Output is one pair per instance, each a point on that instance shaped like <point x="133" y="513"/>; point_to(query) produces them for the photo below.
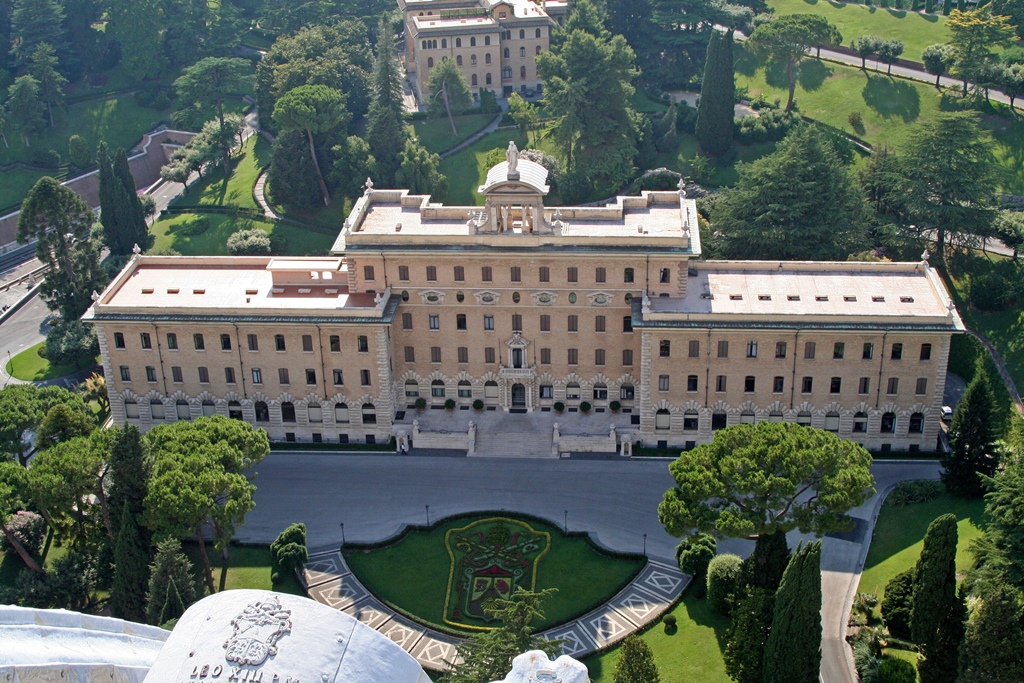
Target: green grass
<point x="899" y="536"/>
<point x="15" y="184"/>
<point x="467" y="171"/>
<point x="681" y="159"/>
<point x="168" y="234"/>
<point x="413" y="573"/>
<point x="435" y="134"/>
<point x="916" y="30"/>
<point x="248" y="567"/>
<point x="236" y="190"/>
<point x="692" y="653"/>
<point x="29" y="366"/>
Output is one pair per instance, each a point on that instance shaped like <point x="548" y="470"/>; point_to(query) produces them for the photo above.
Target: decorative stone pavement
<point x="329" y="581"/>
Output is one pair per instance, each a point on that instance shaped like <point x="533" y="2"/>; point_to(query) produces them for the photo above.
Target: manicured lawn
<point x="916" y="30"/>
<point x="237" y="189"/>
<point x="692" y="653"/>
<point x="248" y="567"/>
<point x="29" y="366"/>
<point x="436" y="133"/>
<point x="467" y="171"/>
<point x="15" y="184"/>
<point x="413" y="573"/>
<point x="681" y="159"/>
<point x="899" y="537"/>
<point x="169" y="233"/>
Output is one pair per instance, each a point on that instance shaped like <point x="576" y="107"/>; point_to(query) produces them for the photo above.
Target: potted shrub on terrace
<point x="559" y="407"/>
<point x="615" y="406"/>
<point x="449" y="405"/>
<point x="421" y="404"/>
<point x="585" y="407"/>
<point x="478" y="406"/>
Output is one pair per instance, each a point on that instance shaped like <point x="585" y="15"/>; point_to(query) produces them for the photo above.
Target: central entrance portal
<point x="518" y="396"/>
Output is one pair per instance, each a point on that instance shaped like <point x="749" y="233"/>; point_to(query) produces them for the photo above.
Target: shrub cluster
<point x="289" y="549"/>
<point x="910" y="492"/>
<point x="28" y="529"/>
<point x="771" y="126"/>
<point x="254" y="242"/>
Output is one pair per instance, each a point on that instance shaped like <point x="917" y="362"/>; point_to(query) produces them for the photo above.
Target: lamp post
<point x="343" y="534"/>
<point x="427" y="508"/>
<point x="565" y="523"/>
<point x="645" y="545"/>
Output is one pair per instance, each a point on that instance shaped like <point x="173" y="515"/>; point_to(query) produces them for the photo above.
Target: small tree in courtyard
<point x="636" y="663"/>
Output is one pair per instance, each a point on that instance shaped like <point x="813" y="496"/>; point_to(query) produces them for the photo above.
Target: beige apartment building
<point x="523" y="306"/>
<point x="495" y="43"/>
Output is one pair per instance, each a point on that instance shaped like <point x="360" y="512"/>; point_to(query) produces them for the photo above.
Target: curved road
<point x="24" y="328"/>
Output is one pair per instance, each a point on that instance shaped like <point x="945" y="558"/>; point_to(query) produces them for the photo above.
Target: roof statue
<point x="535" y="667"/>
<point x="512" y="157"/>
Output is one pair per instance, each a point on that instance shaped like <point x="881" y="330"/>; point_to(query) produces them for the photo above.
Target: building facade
<point x="522" y="307"/>
<point x="494" y="43"/>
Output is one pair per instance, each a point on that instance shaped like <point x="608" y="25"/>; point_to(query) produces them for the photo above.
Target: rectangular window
<point x="517" y="322"/>
<point x="665" y="277"/>
<point x="864" y="385"/>
<point x="809" y="349"/>
<point x="720" y="383"/>
<point x="198" y="342"/>
<point x="432" y="273"/>
<point x="723" y="349"/>
<point x="410" y="354"/>
<point x="778" y="384"/>
<point x="463" y="354"/>
<point x="807" y="386"/>
<point x="407" y="321"/>
<point x="574" y="357"/>
<point x="835" y="385"/>
<point x="600" y="275"/>
<point x="893" y="387"/>
<point x="780" y="349"/>
<point x="126" y="375"/>
<point x="485" y="274"/>
<point x="694" y="349"/>
<point x="146" y="340"/>
<point x="225" y="342"/>
<point x="838" y="351"/>
<point x="869" y="351"/>
<point x="544" y="273"/>
<point x="310" y="377"/>
<point x="279" y="342"/>
<point x="282" y="376"/>
<point x="465" y="390"/>
<point x="691" y="383"/>
<point x="545" y="356"/>
<point x="362" y="344"/>
<point x="752" y="349"/>
<point x="150" y="373"/>
<point x="489" y="355"/>
<point x="229" y="375"/>
<point x="435" y="321"/>
<point x="307" y="343"/>
<point x="172" y="341"/>
<point x="460" y="321"/>
<point x="627" y="276"/>
<point x="459" y="274"/>
<point x="367" y="272"/>
<point x="364" y="378"/>
<point x="665" y="348"/>
<point x="335" y="342"/>
<point x="749" y="382"/>
<point x="403" y="273"/>
<point x="547" y="391"/>
<point x="627" y="323"/>
<point x="516" y="274"/>
<point x="926" y="351"/>
<point x="435" y="354"/>
<point x="253" y="342"/>
<point x="257" y="376"/>
<point x="598" y="356"/>
<point x="176" y="375"/>
<point x="488" y="322"/>
<point x="545" y="323"/>
<point x="897" y="352"/>
<point x="599" y="324"/>
<point x="338" y="377"/>
<point x="663" y="383"/>
<point x="574" y="323"/>
<point x="922" y="386"/>
<point x="572" y="274"/>
<point x="627" y="357"/>
<point x="119" y="340"/>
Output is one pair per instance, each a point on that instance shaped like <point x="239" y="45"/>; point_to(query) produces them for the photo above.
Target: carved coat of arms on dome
<point x="257" y="628"/>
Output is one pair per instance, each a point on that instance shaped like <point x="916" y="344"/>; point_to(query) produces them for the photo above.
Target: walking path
<point x="329" y="581"/>
<point x="472" y="139"/>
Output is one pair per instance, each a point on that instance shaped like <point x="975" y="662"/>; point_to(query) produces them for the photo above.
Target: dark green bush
<point x="478" y="405"/>
<point x="897" y="603"/>
<point x="893" y="670"/>
<point x="449" y="404"/>
<point x="725" y="582"/>
<point x="559" y="406"/>
<point x="910" y="492"/>
<point x="421" y="403"/>
<point x="249" y="243"/>
<point x="585" y="407"/>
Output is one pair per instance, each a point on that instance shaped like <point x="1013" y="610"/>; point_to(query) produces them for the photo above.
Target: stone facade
<point x="523" y="306"/>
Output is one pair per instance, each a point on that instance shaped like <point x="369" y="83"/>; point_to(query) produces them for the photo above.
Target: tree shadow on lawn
<point x="810" y="74"/>
<point x="891" y="97"/>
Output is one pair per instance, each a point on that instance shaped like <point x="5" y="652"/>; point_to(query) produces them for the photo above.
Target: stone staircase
<point x="512" y="445"/>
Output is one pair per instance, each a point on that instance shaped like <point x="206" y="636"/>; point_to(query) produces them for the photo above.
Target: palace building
<point x="495" y="42"/>
<point x="523" y="306"/>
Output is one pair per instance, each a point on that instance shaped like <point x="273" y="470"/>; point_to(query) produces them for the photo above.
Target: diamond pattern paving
<point x="608" y="627"/>
<point x="639" y="606"/>
<point x="321" y="568"/>
<point x="339" y="593"/>
<point x="576" y="641"/>
<point x="402" y="632"/>
<point x="432" y="652"/>
<point x="370" y="612"/>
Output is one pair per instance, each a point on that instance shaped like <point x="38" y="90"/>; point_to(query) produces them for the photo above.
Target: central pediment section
<point x="532" y="179"/>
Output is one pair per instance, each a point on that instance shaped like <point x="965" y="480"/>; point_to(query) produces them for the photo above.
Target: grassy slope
<point x="436" y="134"/>
<point x="29" y="366"/>
<point x="466" y="170"/>
<point x="916" y="30"/>
<point x="413" y="573"/>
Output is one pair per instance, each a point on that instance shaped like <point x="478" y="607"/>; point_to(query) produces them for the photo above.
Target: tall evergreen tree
<point x="136" y="228"/>
<point x="636" y="663"/>
<point x="34" y="22"/>
<point x="131" y="570"/>
<point x="169" y="564"/>
<point x="972" y="435"/>
<point x="129" y="472"/>
<point x="765" y="567"/>
<point x="748" y="635"/>
<point x="312" y="109"/>
<point x="173" y="607"/>
<point x="936" y="617"/>
<point x="210" y="81"/>
<point x="715" y="113"/>
<point x="24" y="108"/>
<point x="138" y="26"/>
<point x="385" y="126"/>
<point x="43" y="67"/>
<point x="994" y="641"/>
<point x="793" y="650"/>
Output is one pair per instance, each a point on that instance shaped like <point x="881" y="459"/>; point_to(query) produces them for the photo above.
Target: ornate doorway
<point x="518" y="396"/>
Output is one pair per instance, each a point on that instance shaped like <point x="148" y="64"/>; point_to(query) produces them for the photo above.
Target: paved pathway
<point x="645" y="599"/>
<point x="472" y="139"/>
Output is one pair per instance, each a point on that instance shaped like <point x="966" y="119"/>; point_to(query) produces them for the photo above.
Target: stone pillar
<point x="471" y="441"/>
<point x="554" y="441"/>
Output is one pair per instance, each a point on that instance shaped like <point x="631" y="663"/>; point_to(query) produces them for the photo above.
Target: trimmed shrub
<point x="669" y="620"/>
<point x="478" y="405"/>
<point x="253" y="242"/>
<point x="421" y="403"/>
<point x="78" y="151"/>
<point x="585" y="407"/>
<point x="694" y="554"/>
<point x="893" y="670"/>
<point x="449" y="404"/>
<point x="559" y="406"/>
<point x="725" y="582"/>
<point x="615" y="406"/>
<point x="71" y="341"/>
<point x="897" y="603"/>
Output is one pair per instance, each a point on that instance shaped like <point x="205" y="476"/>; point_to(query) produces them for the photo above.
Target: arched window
<point x="719" y="420"/>
<point x="182" y="409"/>
<point x="458" y="60"/>
<point x="537" y="50"/>
<point x="472" y="60"/>
<point x="287" y="412"/>
<point x="487" y="40"/>
<point x="860" y="423"/>
<point x="424" y="44"/>
<point x="465" y="389"/>
<point x="209" y="408"/>
<point x="412" y="387"/>
<point x="775" y="416"/>
<point x="537" y="34"/>
<point x="490" y="389"/>
<point x="572" y="391"/>
<point x="473" y="81"/>
<point x="234" y="410"/>
<point x="888" y="423"/>
<point x="522" y="52"/>
<point x="131" y="409"/>
<point x="747" y="417"/>
<point x="472" y="41"/>
<point x="916" y="423"/>
<point x="156" y="409"/>
<point x="405" y="295"/>
<point x="341" y="413"/>
<point x="522" y="72"/>
<point x="444" y="43"/>
<point x="430" y="62"/>
<point x="803" y="418"/>
<point x="487" y="58"/>
<point x="315" y="413"/>
<point x="832" y="421"/>
<point x="600" y="391"/>
<point x="662" y="419"/>
<point x="626" y="392"/>
<point x="522" y="34"/>
<point x="369" y="414"/>
<point x="506" y="72"/>
<point x="506" y="52"/>
<point x="691" y="421"/>
<point x="487" y="80"/>
<point x="262" y="411"/>
<point x="458" y="42"/>
<point x="437" y="389"/>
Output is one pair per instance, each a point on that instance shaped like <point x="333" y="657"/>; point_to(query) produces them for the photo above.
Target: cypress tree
<point x="936" y="617"/>
<point x="108" y="213"/>
<point x="170" y="564"/>
<point x="385" y="123"/>
<point x="992" y="647"/>
<point x="173" y="606"/>
<point x="129" y="473"/>
<point x="136" y="229"/>
<point x="793" y="650"/>
<point x="972" y="435"/>
<point x="636" y="663"/>
<point x="748" y="635"/>
<point x="128" y="592"/>
<point x="715" y="113"/>
<point x="766" y="565"/>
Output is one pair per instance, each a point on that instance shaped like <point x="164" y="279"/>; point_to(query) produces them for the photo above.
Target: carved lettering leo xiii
<point x="257" y="629"/>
